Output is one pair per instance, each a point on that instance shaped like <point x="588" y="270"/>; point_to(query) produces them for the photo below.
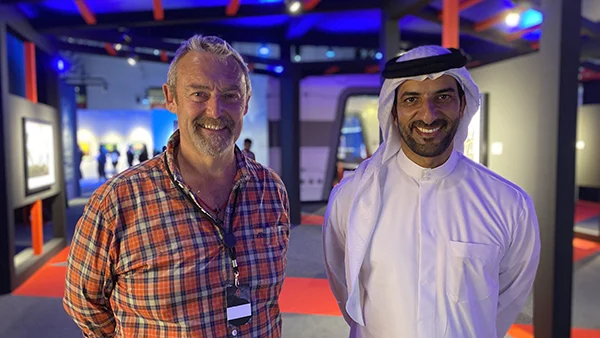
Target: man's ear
<point x="463" y="106"/>
<point x="171" y="105"/>
<point x="247" y="104"/>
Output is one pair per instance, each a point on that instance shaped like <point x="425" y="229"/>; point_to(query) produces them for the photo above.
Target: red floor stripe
<point x="308" y="219"/>
<point x="308" y="296"/>
<point x="585" y="210"/>
<point x="526" y="331"/>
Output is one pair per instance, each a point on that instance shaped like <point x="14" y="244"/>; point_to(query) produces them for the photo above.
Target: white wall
<point x="516" y="119"/>
<point x="588" y="158"/>
<point x="125" y="83"/>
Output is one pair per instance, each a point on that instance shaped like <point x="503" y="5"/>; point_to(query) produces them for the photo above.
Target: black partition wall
<point x="31" y="154"/>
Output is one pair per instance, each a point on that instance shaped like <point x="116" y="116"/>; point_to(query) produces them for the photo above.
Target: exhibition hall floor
<point x="35" y="311"/>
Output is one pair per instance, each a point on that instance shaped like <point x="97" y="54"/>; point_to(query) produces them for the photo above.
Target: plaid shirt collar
<point x="245" y="171"/>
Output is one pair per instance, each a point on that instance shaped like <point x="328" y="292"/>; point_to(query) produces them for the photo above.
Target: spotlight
<point x="156" y="52"/>
<point x="132" y="60"/>
<point x="279" y="69"/>
<point x="297" y="57"/>
<point x="264" y="51"/>
<point x="512" y="19"/>
<point x="330" y="53"/>
<point x="60" y="64"/>
<point x="118" y="46"/>
<point x="378" y="55"/>
<point x="294" y="6"/>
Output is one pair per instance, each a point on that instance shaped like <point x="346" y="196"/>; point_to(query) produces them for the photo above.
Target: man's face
<point x="428" y="114"/>
<point x="211" y="102"/>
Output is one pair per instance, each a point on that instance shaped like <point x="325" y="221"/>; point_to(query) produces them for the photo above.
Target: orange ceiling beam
<point x="496" y="19"/>
<point x="519" y="34"/>
<point x="451" y="24"/>
<point x="310" y="4"/>
<point x="332" y="70"/>
<point x="232" y="7"/>
<point x="158" y="11"/>
<point x="85" y="12"/>
<point x="110" y="49"/>
<point x="463" y="6"/>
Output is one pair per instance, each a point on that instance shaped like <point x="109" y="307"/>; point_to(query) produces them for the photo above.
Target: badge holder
<point x="239" y="308"/>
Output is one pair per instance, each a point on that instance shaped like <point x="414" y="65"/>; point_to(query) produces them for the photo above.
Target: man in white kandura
<point x="420" y="241"/>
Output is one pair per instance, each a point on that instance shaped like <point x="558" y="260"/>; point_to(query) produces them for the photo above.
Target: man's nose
<point x="429" y="112"/>
<point x="213" y="107"/>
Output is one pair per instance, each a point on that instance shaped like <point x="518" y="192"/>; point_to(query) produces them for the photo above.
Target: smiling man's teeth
<point x="212" y="127"/>
<point x="428" y="131"/>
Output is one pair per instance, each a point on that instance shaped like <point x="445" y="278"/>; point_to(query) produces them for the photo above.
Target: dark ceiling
<point x="157" y="27"/>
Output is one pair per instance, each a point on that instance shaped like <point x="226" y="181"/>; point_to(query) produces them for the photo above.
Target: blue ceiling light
<point x="378" y="55"/>
<point x="60" y="65"/>
<point x="330" y="53"/>
<point x="279" y="69"/>
<point x="264" y="50"/>
<point x="530" y="18"/>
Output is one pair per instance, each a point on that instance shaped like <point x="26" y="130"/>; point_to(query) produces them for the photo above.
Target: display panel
<point x="40" y="169"/>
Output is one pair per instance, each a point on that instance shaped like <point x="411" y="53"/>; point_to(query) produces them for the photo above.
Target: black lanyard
<point x="227" y="238"/>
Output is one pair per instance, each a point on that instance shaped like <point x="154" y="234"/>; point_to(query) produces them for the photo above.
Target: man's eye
<point x="410" y="100"/>
<point x="444" y="97"/>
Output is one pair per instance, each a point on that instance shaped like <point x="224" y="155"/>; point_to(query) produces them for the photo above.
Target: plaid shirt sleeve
<point x="89" y="280"/>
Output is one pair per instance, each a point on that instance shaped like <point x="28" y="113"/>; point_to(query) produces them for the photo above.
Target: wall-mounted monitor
<point x="38" y="141"/>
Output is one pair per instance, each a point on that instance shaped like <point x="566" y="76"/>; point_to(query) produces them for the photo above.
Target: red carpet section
<point x="585" y="210"/>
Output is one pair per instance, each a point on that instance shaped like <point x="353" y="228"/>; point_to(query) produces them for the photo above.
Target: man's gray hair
<point x="209" y="44"/>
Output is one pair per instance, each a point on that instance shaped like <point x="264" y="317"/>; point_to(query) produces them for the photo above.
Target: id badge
<point x="239" y="307"/>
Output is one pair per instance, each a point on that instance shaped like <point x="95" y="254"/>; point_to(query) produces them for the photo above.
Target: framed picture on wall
<point x="38" y="141"/>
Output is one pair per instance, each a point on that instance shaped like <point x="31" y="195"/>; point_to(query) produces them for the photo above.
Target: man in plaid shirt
<point x="193" y="242"/>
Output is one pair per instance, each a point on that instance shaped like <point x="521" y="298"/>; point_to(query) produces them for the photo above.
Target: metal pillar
<point x="553" y="287"/>
<point x="7" y="249"/>
<point x="289" y="131"/>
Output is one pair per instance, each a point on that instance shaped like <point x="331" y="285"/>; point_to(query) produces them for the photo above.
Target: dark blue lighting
<point x="264" y="51"/>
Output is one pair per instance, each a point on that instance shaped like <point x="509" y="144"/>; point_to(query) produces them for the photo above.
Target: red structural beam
<point x="519" y="34"/>
<point x="496" y="19"/>
<point x="30" y="73"/>
<point x="310" y="4"/>
<point x="450" y="24"/>
<point x="163" y="56"/>
<point x="37" y="233"/>
<point x="462" y="6"/>
<point x="232" y="7"/>
<point x="85" y="12"/>
<point x="372" y="69"/>
<point x="110" y="49"/>
<point x="157" y="10"/>
<point x="332" y="70"/>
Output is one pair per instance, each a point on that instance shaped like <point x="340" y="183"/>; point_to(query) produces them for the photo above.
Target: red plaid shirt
<point x="144" y="262"/>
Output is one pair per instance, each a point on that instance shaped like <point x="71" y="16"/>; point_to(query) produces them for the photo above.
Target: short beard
<point x="429" y="149"/>
<point x="214" y="146"/>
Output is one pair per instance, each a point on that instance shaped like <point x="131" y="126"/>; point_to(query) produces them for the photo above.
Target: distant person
<point x="102" y="163"/>
<point x="114" y="156"/>
<point x="419" y="240"/>
<point x="144" y="154"/>
<point x="193" y="242"/>
<point x="130" y="156"/>
<point x="247" y="146"/>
